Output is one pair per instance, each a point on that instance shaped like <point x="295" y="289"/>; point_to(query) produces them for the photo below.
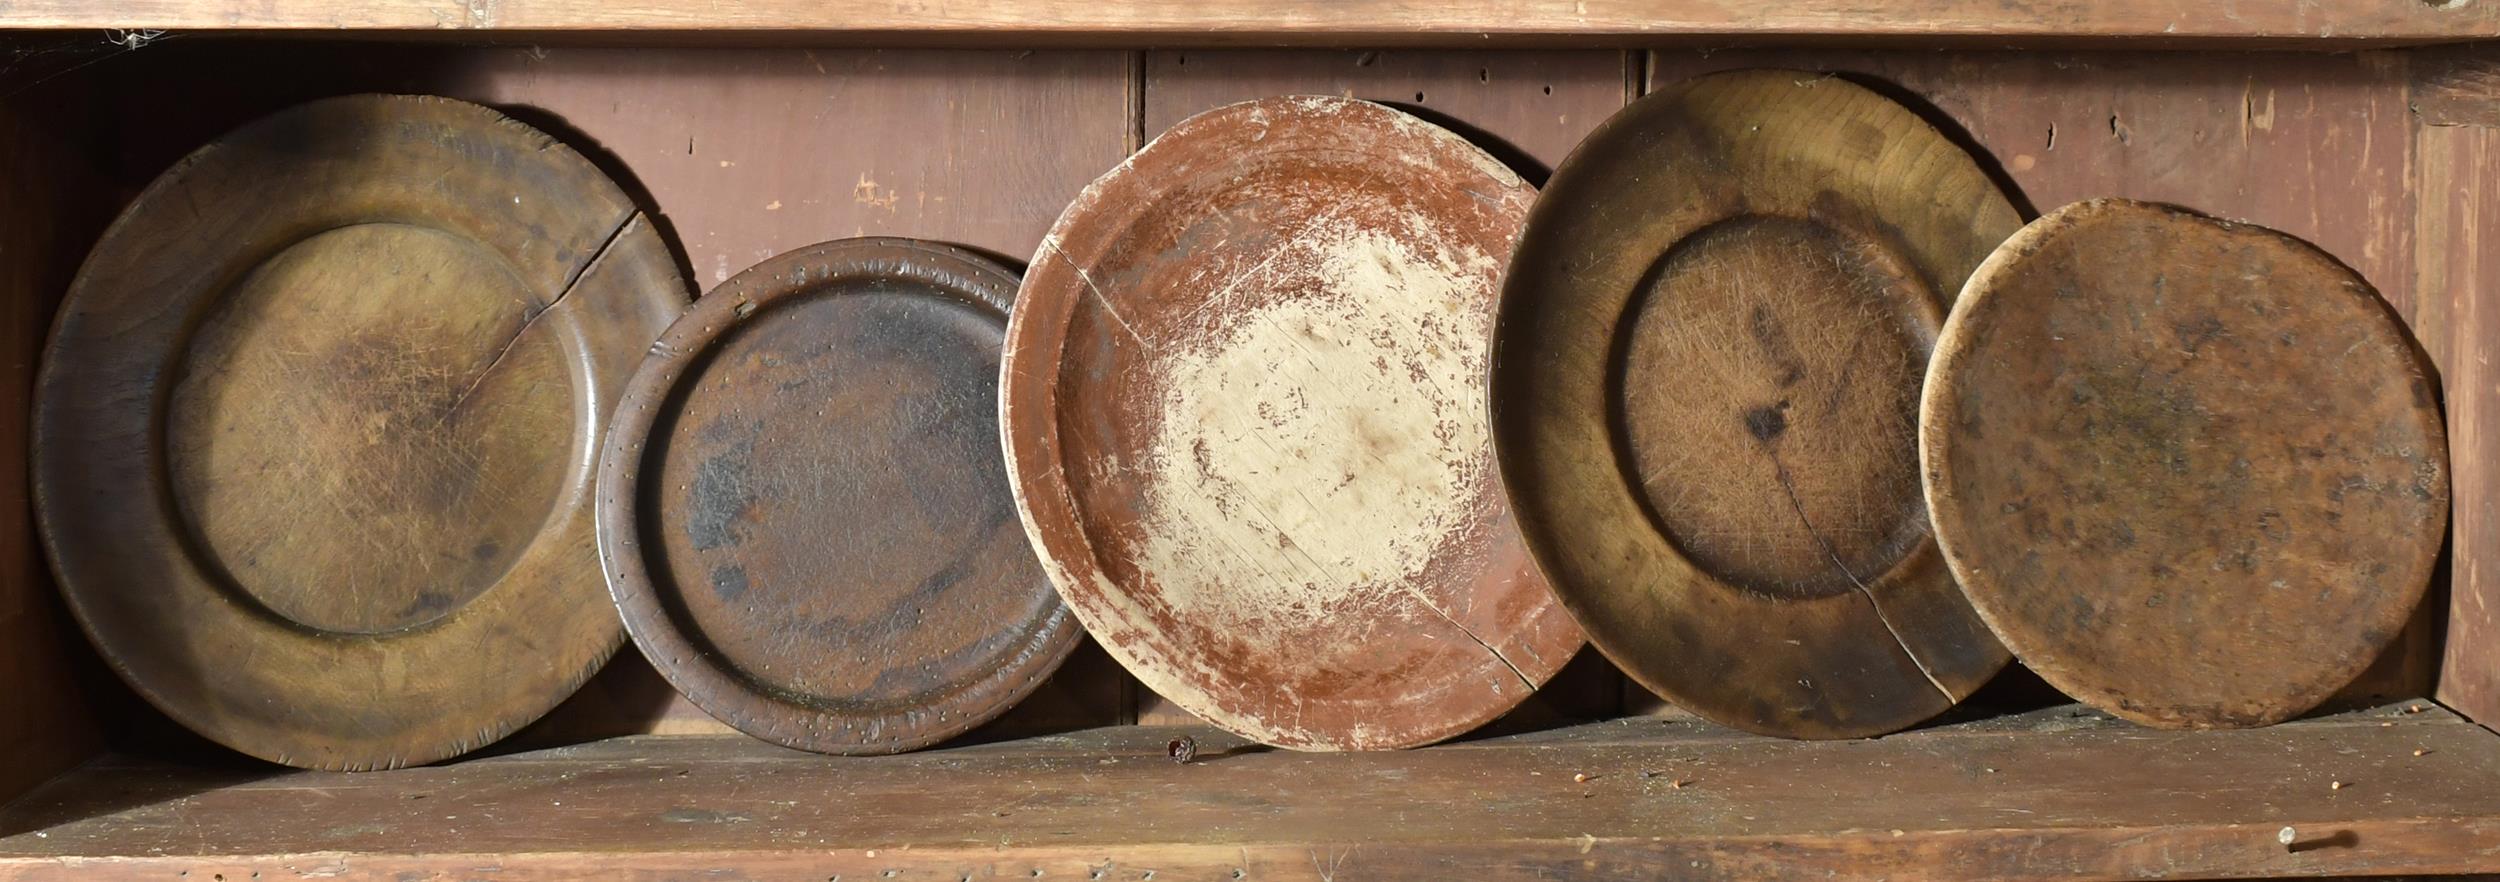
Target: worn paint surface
<point x="805" y="514"/>
<point x="1244" y="414"/>
<point x="2191" y="471"/>
<point x="1304" y="441"/>
<point x="1709" y="347"/>
<point x="361" y="351"/>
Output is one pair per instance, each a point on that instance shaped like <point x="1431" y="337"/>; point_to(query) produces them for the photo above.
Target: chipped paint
<point x="1319" y="439"/>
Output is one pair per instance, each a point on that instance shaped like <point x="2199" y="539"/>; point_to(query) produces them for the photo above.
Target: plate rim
<point x="1519" y="433"/>
<point x="1938" y="408"/>
<point x="630" y="239"/>
<point x="657" y="388"/>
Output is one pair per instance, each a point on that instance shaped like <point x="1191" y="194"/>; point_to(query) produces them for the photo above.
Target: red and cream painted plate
<point x="1244" y="414"/>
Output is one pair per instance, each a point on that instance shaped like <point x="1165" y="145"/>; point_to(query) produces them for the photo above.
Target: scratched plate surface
<point x="2193" y="472"/>
<point x="1244" y="414"/>
<point x="313" y="433"/>
<point x="804" y="512"/>
<point x="1705" y="399"/>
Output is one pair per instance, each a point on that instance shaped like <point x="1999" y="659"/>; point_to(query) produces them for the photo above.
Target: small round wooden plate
<point x="313" y="435"/>
<point x="1705" y="399"/>
<point x="1244" y="414"/>
<point x="803" y="510"/>
<point x="2191" y="471"/>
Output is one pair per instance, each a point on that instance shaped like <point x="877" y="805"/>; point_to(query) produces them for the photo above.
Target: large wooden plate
<point x="1244" y="414"/>
<point x="2191" y="471"/>
<point x="1705" y="399"/>
<point x="803" y="511"/>
<point x="313" y="436"/>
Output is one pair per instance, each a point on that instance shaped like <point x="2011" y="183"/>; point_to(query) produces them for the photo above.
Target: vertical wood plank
<point x="755" y="152"/>
<point x="2314" y="145"/>
<point x="2456" y="96"/>
<point x="1526" y="108"/>
<point x="50" y="193"/>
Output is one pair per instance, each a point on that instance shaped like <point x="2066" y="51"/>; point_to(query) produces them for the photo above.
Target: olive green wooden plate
<point x="1705" y="393"/>
<point x="313" y="435"/>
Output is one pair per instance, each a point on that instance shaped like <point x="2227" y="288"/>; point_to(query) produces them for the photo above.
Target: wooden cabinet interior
<point x="2385" y="158"/>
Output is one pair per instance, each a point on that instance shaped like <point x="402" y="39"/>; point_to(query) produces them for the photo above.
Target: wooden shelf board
<point x="2059" y="793"/>
<point x="1344" y="22"/>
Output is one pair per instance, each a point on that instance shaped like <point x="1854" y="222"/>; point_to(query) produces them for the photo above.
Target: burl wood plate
<point x="1244" y="415"/>
<point x="1705" y="399"/>
<point x="804" y="513"/>
<point x="2191" y="471"/>
<point x="314" y="433"/>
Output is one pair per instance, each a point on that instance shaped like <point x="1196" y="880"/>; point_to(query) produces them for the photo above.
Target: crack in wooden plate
<point x="1705" y="399"/>
<point x="313" y="434"/>
<point x="804" y="512"/>
<point x="1244" y="413"/>
<point x="2191" y="471"/>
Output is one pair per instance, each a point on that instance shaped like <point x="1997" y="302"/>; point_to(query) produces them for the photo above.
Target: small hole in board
<point x="1419" y="97"/>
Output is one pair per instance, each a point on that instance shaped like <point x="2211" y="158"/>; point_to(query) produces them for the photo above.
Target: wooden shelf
<point x="2052" y="794"/>
<point x="1346" y="22"/>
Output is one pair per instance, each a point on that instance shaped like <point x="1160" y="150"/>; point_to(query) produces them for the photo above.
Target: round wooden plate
<point x="1244" y="415"/>
<point x="803" y="511"/>
<point x="313" y="436"/>
<point x="1705" y="399"/>
<point x="2191" y="471"/>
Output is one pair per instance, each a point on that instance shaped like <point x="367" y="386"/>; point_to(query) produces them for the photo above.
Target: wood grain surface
<point x="1243" y="415"/>
<point x="2192" y="472"/>
<point x="803" y="511"/>
<point x="738" y="154"/>
<point x="1341" y="23"/>
<point x="2456" y="171"/>
<point x="1525" y="107"/>
<point x="48" y="170"/>
<point x="1992" y="800"/>
<point x="313" y="434"/>
<point x="1706" y="411"/>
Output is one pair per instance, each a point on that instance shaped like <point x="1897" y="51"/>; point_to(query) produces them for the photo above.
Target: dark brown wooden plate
<point x="1705" y="399"/>
<point x="803" y="510"/>
<point x="313" y="436"/>
<point x="2191" y="471"/>
<point x="1244" y="414"/>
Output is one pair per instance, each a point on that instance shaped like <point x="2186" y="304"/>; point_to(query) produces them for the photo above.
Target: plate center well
<point x="376" y="424"/>
<point x="832" y="501"/>
<point x="1766" y="403"/>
